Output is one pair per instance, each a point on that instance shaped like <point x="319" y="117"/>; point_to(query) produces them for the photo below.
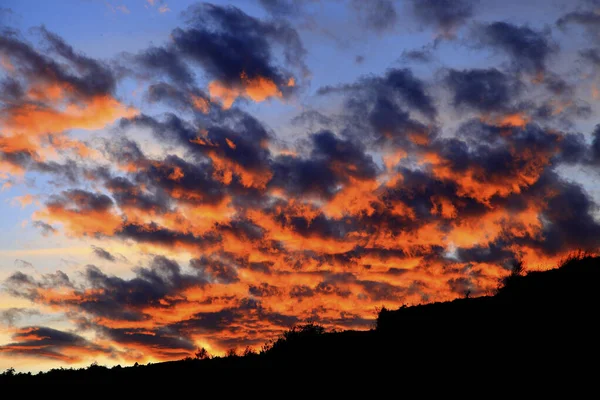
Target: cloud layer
<point x="386" y="203"/>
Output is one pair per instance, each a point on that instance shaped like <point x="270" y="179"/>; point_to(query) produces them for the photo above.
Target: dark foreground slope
<point x="540" y="321"/>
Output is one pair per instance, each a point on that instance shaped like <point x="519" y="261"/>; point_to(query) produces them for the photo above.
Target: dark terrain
<point x="536" y="321"/>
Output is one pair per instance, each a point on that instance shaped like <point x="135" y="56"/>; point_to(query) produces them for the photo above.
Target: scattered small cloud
<point x="164" y="9"/>
<point x="46" y="229"/>
<point x="123" y="9"/>
<point x="23" y="201"/>
<point x="103" y="254"/>
<point x="23" y="264"/>
<point x="10" y="316"/>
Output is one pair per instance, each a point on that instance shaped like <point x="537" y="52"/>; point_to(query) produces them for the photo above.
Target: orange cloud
<point x="230" y="143"/>
<point x="95" y="113"/>
<point x="24" y="200"/>
<point x="225" y="169"/>
<point x="201" y="104"/>
<point x="257" y="89"/>
<point x="81" y="223"/>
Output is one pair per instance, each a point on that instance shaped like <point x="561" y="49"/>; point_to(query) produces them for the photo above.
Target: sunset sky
<point x="176" y="175"/>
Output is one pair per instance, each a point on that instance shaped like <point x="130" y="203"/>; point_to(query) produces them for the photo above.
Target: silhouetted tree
<point x="248" y="351"/>
<point x="517" y="271"/>
<point x="202" y="354"/>
<point x="231" y="352"/>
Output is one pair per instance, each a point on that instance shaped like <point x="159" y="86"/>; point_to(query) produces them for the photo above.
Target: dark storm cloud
<point x="247" y="138"/>
<point x="111" y="296"/>
<point x="332" y="161"/>
<point x="374" y="110"/>
<point x="495" y="252"/>
<point x="329" y="288"/>
<point x="93" y="78"/>
<point x="588" y="19"/>
<point x="96" y="78"/>
<point x="171" y="128"/>
<point x="573" y="149"/>
<point x="43" y="342"/>
<point x="301" y="291"/>
<point x="388" y="120"/>
<point x="161" y="61"/>
<point x="528" y="49"/>
<point x="179" y="99"/>
<point x="233" y="135"/>
<point x="103" y="254"/>
<point x="482" y="89"/>
<point x="378" y="15"/>
<point x="592" y="56"/>
<point x="81" y="200"/>
<point x="595" y="148"/>
<point x="123" y="151"/>
<point x="215" y="269"/>
<point x="569" y="217"/>
<point x="421" y="56"/>
<point x="190" y="182"/>
<point x="128" y="194"/>
<point x="333" y="150"/>
<point x="123" y="299"/>
<point x="26" y="286"/>
<point x="320" y="226"/>
<point x="556" y="85"/>
<point x="226" y="42"/>
<point x="484" y="149"/>
<point x="263" y="290"/>
<point x="445" y="16"/>
<point x="221" y="321"/>
<point x="396" y="84"/>
<point x="11" y="89"/>
<point x="69" y="171"/>
<point x="163" y="342"/>
<point x="150" y="284"/>
<point x="461" y="286"/>
<point x="421" y="188"/>
<point x="380" y="291"/>
<point x="155" y="234"/>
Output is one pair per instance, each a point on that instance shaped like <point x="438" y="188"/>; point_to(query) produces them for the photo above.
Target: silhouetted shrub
<point x="231" y="352"/>
<point x="298" y="333"/>
<point x="517" y="271"/>
<point x="202" y="354"/>
<point x="248" y="352"/>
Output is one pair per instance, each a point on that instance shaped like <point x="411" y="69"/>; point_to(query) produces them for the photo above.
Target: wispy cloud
<point x="123" y="9"/>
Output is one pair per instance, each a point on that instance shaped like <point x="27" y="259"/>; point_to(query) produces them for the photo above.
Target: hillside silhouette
<point x="535" y="320"/>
